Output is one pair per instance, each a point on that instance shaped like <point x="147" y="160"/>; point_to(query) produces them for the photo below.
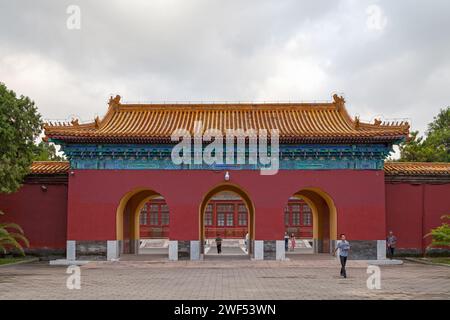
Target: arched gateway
<point x="316" y="213"/>
<point x="133" y="215"/>
<point x="277" y="157"/>
<point x="230" y="217"/>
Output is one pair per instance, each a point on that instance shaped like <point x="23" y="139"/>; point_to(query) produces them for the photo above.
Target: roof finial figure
<point x="97" y="122"/>
<point x="357" y="122"/>
<point x="113" y="102"/>
<point x="338" y="99"/>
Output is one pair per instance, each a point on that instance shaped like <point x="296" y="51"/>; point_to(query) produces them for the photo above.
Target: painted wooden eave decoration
<point x="390" y="168"/>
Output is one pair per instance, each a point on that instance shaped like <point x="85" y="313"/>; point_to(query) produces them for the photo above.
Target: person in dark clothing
<point x="286" y="241"/>
<point x="219" y="244"/>
<point x="344" y="248"/>
<point x="391" y="242"/>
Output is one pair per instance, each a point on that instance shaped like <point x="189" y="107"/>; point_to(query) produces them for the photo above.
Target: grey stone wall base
<point x="418" y="252"/>
<point x="46" y="253"/>
<point x="91" y="257"/>
<point x="317" y="245"/>
<point x="91" y="248"/>
<point x="270" y="250"/>
<point x="437" y="252"/>
<point x="363" y="250"/>
<point x="332" y="245"/>
<point x="408" y="252"/>
<point x="184" y="249"/>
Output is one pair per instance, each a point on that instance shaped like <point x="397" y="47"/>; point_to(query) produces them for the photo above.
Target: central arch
<point x="247" y="202"/>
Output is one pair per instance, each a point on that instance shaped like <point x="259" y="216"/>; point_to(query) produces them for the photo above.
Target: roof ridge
<point x="128" y="121"/>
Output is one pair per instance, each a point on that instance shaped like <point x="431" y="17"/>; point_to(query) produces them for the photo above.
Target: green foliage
<point x="46" y="152"/>
<point x="441" y="235"/>
<point x="435" y="147"/>
<point x="20" y="125"/>
<point x="11" y="237"/>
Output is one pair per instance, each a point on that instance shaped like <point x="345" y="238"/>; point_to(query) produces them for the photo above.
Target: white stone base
<point x="195" y="250"/>
<point x="280" y="250"/>
<point x="258" y="253"/>
<point x="65" y="262"/>
<point x="173" y="250"/>
<point x="381" y="249"/>
<point x="112" y="250"/>
<point x="71" y="250"/>
<point x="385" y="262"/>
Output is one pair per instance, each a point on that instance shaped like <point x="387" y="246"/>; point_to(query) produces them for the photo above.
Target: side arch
<point x="127" y="218"/>
<point x="324" y="217"/>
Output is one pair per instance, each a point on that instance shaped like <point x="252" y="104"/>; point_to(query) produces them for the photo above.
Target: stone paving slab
<point x="304" y="279"/>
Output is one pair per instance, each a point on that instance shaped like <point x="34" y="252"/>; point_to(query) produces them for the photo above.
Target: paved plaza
<point x="303" y="277"/>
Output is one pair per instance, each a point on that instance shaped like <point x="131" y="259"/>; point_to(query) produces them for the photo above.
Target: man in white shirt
<point x="344" y="248"/>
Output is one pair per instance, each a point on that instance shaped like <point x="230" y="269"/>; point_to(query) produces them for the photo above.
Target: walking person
<point x="391" y="242"/>
<point x="292" y="242"/>
<point x="219" y="244"/>
<point x="286" y="241"/>
<point x="344" y="247"/>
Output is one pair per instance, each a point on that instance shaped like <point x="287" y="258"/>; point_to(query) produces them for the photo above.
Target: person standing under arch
<point x="286" y="241"/>
<point x="293" y="243"/>
<point x="219" y="244"/>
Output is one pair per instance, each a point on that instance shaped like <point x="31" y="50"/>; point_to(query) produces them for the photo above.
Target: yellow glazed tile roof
<point x="417" y="168"/>
<point x="49" y="167"/>
<point x="296" y="122"/>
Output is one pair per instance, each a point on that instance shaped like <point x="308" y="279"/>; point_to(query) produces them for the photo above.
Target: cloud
<point x="389" y="58"/>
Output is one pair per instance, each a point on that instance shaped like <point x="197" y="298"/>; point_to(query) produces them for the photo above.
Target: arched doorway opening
<point x="227" y="212"/>
<point x="142" y="223"/>
<point x="310" y="217"/>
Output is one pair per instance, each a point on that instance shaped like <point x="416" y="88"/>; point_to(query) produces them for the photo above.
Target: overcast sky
<point x="388" y="58"/>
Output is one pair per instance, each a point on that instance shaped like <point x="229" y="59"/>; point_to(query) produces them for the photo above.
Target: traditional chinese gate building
<point x="120" y="184"/>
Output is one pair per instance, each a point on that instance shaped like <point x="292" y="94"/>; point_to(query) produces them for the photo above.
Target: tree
<point x="435" y="147"/>
<point x="46" y="152"/>
<point x="441" y="235"/>
<point x="20" y="125"/>
<point x="10" y="239"/>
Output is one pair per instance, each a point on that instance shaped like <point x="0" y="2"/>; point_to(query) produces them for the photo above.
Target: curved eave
<point x="287" y="140"/>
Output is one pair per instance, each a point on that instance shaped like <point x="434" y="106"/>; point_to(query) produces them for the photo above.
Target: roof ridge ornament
<point x="357" y="122"/>
<point x="339" y="101"/>
<point x="97" y="122"/>
<point x="114" y="102"/>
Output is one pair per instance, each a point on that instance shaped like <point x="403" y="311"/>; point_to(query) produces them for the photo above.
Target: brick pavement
<point x="226" y="279"/>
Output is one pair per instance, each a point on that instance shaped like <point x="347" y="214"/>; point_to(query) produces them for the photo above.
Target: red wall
<point x="412" y="210"/>
<point x="42" y="215"/>
<point x="367" y="207"/>
<point x="94" y="196"/>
